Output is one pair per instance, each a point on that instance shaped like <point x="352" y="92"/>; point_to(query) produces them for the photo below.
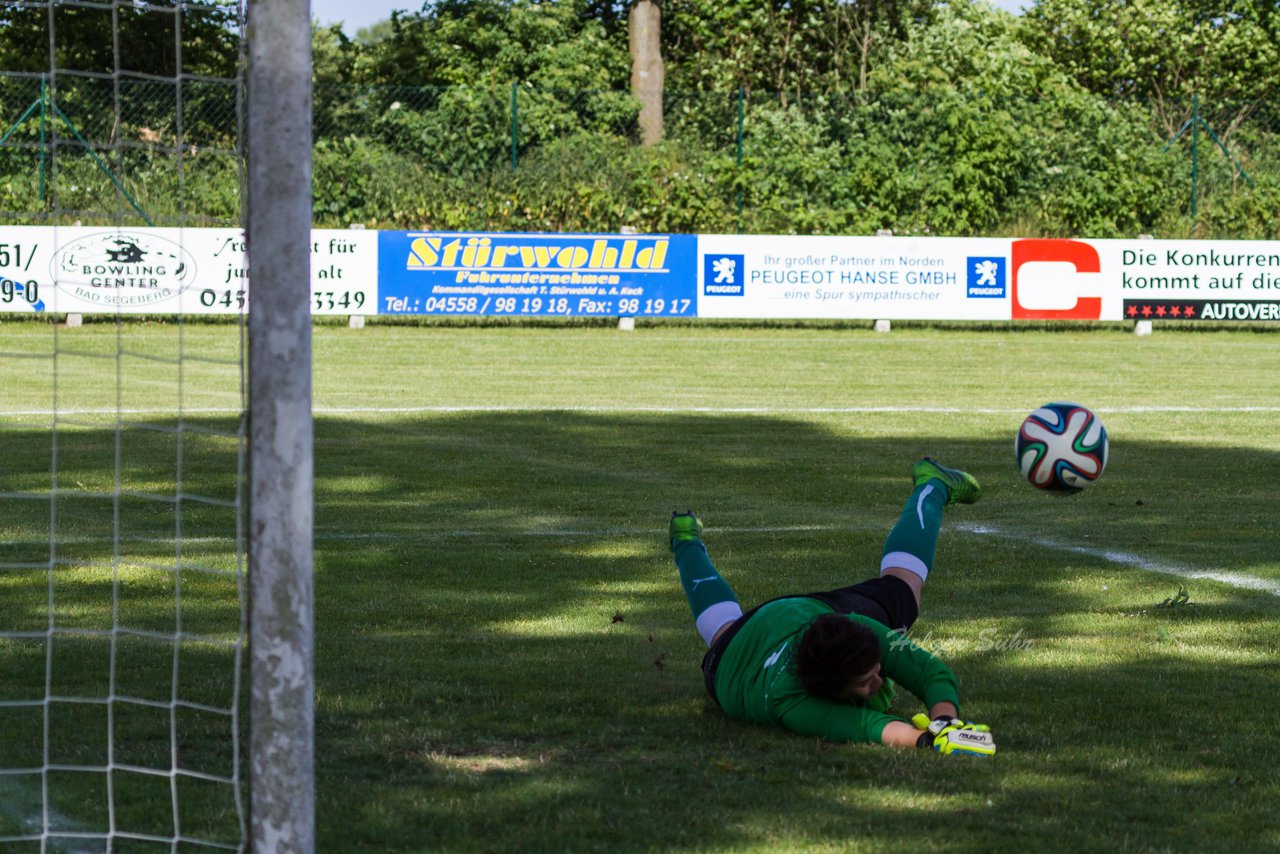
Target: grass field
<point x="505" y="660"/>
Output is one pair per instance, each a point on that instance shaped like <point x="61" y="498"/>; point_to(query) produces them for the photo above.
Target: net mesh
<point x="122" y="603"/>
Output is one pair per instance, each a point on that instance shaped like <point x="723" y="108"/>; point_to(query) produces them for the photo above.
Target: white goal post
<point x="278" y="221"/>
<point x="157" y="492"/>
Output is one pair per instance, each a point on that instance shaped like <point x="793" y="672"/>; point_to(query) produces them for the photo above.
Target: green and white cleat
<point x="684" y="528"/>
<point x="962" y="487"/>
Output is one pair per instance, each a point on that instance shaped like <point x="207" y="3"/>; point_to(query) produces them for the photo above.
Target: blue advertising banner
<point x="537" y="275"/>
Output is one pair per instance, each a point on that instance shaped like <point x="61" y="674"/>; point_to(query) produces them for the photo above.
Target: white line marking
<point x="660" y="410"/>
<point x="1234" y="579"/>
<point x="411" y="536"/>
<point x="780" y="410"/>
<point x="21" y="802"/>
<point x="427" y="535"/>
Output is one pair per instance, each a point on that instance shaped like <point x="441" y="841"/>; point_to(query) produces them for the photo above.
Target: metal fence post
<point x="515" y="123"/>
<point x="1195" y="154"/>
<point x="44" y="106"/>
<point x="741" y="117"/>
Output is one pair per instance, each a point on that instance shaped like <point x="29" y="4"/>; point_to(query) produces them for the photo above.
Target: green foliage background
<point x="810" y="117"/>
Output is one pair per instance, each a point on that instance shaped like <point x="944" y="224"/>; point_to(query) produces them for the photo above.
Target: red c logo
<point x="1082" y="256"/>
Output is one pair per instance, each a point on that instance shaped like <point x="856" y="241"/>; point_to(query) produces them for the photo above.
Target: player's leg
<point x="711" y="599"/>
<point x="913" y="541"/>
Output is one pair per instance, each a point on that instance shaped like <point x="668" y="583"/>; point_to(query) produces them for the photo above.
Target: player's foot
<point x="961" y="486"/>
<point x="685" y="527"/>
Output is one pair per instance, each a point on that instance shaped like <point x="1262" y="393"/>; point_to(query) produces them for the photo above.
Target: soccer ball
<point x="1062" y="447"/>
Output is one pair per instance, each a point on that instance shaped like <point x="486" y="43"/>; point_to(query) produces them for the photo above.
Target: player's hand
<point x="952" y="735"/>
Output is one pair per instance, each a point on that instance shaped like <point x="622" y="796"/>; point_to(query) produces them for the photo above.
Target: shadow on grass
<point x="505" y="660"/>
<point x="540" y="672"/>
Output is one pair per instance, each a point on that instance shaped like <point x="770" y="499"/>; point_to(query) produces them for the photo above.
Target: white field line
<point x="575" y="532"/>
<point x="427" y="536"/>
<point x="661" y="410"/>
<point x="112" y="411"/>
<point x="18" y="802"/>
<point x="22" y="801"/>
<point x="769" y="410"/>
<point x="1234" y="579"/>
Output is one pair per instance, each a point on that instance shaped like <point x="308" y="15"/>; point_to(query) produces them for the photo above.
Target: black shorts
<point x="887" y="600"/>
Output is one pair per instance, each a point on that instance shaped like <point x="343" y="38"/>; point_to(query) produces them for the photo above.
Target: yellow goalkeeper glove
<point x="950" y="735"/>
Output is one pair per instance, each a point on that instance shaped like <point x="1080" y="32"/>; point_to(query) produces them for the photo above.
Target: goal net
<point x="125" y="429"/>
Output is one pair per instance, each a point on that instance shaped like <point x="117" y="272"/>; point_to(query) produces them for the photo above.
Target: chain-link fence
<point x="75" y="145"/>
<point x="521" y="158"/>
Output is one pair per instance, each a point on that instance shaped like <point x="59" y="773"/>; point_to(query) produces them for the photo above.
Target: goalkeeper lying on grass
<point x="825" y="663"/>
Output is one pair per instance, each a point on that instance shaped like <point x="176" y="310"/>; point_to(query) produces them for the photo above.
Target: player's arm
<point x="920" y="672"/>
<point x="945" y="709"/>
<point x="810" y="715"/>
<point x="844" y="722"/>
<point x="900" y="734"/>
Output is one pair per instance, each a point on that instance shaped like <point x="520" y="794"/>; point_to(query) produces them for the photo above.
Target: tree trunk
<point x="644" y="26"/>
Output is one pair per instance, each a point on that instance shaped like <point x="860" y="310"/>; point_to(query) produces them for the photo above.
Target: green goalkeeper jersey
<point x="755" y="679"/>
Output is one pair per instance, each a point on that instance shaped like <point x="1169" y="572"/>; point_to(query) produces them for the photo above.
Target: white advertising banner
<point x="1190" y="279"/>
<point x="853" y="277"/>
<point x="87" y="270"/>
<point x="202" y="271"/>
<point x="953" y="278"/>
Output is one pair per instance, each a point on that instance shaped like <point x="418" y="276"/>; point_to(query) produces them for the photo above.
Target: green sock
<point x="913" y="541"/>
<point x="711" y="599"/>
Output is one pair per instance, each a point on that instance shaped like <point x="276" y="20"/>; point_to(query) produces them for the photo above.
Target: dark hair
<point x="834" y="651"/>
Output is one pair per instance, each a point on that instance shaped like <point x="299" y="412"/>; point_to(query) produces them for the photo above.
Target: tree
<point x="791" y="47"/>
<point x="647" y="70"/>
<point x="967" y="130"/>
<point x="462" y="58"/>
<point x="374" y="33"/>
<point x="336" y="99"/>
<point x="162" y="46"/>
<point x="968" y="48"/>
<point x="333" y="55"/>
<point x="485" y="42"/>
<point x="148" y="37"/>
<point x="1164" y="50"/>
<point x="858" y="28"/>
